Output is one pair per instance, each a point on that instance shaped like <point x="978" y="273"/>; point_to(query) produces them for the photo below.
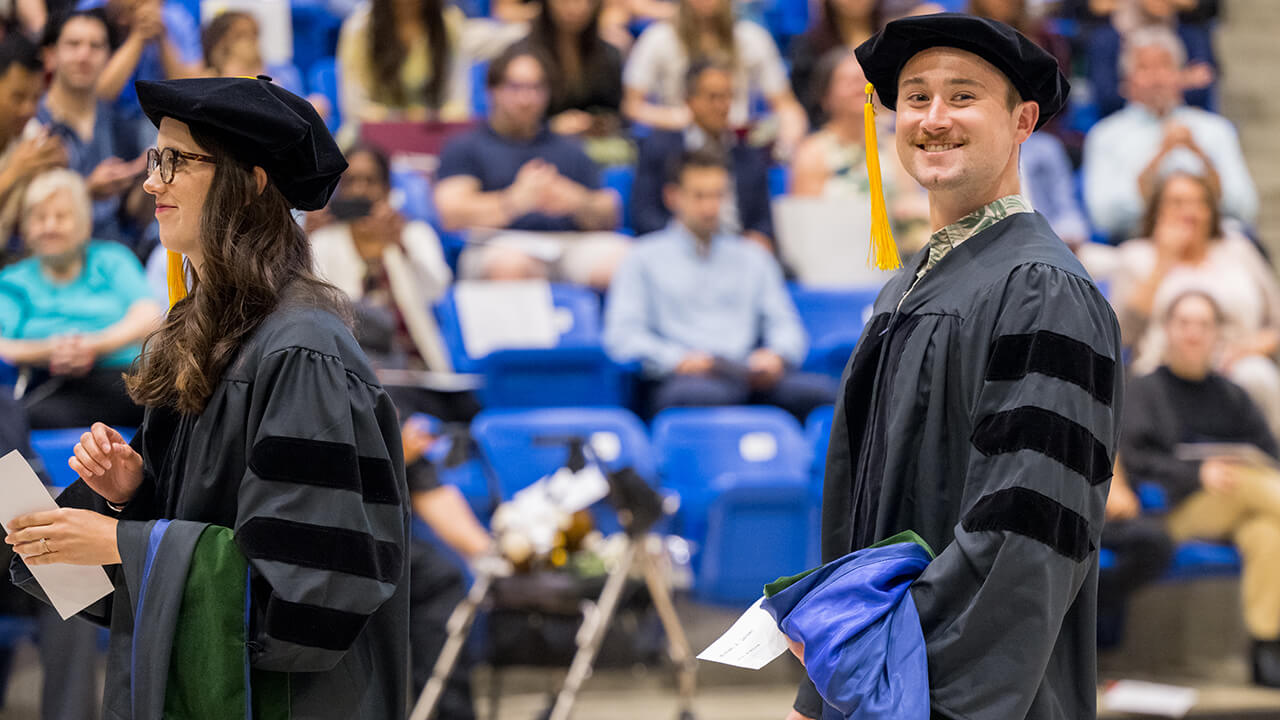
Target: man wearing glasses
<point x="531" y="198"/>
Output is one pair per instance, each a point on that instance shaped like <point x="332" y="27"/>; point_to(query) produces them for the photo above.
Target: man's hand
<point x="1122" y="503"/>
<point x="696" y="363"/>
<point x="148" y="21"/>
<point x="417" y="439"/>
<point x="1176" y="135"/>
<point x="525" y="192"/>
<point x="562" y="197"/>
<point x="767" y="368"/>
<point x="1221" y="476"/>
<point x="72" y="355"/>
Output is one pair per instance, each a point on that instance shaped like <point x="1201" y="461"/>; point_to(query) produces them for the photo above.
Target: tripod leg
<point x="678" y="643"/>
<point x="591" y="635"/>
<point x="457" y="627"/>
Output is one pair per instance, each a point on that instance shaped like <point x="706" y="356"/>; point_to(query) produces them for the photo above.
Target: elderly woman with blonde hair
<point x="74" y="312"/>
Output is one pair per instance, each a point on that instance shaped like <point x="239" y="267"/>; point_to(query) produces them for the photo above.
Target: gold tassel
<point x="177" y="278"/>
<point x="884" y="252"/>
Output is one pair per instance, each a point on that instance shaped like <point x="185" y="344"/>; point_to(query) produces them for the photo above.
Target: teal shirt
<point x="32" y="307"/>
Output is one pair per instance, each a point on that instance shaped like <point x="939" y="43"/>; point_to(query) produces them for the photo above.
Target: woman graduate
<point x="255" y="529"/>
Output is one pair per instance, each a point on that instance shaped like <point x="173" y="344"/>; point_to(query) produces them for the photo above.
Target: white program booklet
<point x="752" y="642"/>
<point x="1135" y="696"/>
<point x="71" y="588"/>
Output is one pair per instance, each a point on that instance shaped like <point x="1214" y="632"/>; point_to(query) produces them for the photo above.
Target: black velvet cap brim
<point x="261" y="124"/>
<point x="1033" y="72"/>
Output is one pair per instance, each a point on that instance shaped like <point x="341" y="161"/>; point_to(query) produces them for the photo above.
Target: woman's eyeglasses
<point x="168" y="160"/>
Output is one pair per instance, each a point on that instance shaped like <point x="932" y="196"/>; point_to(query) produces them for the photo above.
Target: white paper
<point x="71" y="588"/>
<point x="752" y="642"/>
<point x="1240" y="452"/>
<point x="502" y="315"/>
<point x="1133" y="696"/>
<point x="826" y="240"/>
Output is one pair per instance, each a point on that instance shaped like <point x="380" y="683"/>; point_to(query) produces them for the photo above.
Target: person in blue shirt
<point x="74" y="312"/>
<point x="101" y="144"/>
<point x="161" y="41"/>
<point x="514" y="174"/>
<point x="707" y="314"/>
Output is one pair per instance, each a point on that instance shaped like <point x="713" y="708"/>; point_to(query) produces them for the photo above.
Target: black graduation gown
<point x="983" y="414"/>
<point x="298" y="450"/>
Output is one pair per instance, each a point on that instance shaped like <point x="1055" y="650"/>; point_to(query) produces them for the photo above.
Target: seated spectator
<point x="395" y="62"/>
<point x="26" y="148"/>
<point x="1155" y="133"/>
<point x="585" y="71"/>
<point x="841" y="24"/>
<point x="746" y="209"/>
<point x="101" y="145"/>
<point x="832" y="161"/>
<point x="1049" y="182"/>
<point x="75" y="312"/>
<point x="1220" y="498"/>
<point x="1184" y="247"/>
<point x="231" y="47"/>
<point x="391" y="268"/>
<point x="1141" y="548"/>
<point x="514" y="174"/>
<point x="1105" y="48"/>
<point x="27" y="16"/>
<point x="618" y="17"/>
<point x="707" y="314"/>
<point x="161" y="42"/>
<point x="653" y="79"/>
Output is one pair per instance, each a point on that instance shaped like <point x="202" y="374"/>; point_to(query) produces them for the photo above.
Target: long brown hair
<point x="253" y="251"/>
<point x="387" y="53"/>
<point x="1152" y="214"/>
<point x="721" y="26"/>
<point x="825" y="35"/>
<point x="590" y="46"/>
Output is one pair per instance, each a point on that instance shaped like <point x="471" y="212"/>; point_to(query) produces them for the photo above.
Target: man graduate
<point x="980" y="407"/>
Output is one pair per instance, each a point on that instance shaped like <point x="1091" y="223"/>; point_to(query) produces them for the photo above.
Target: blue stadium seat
<point x="779" y="180"/>
<point x="576" y="372"/>
<point x="415" y="190"/>
<point x="479" y="93"/>
<point x="817" y="428"/>
<point x="620" y="178"/>
<point x="507" y="440"/>
<point x="315" y="32"/>
<point x="322" y="79"/>
<point x="1196" y="558"/>
<point x="703" y="451"/>
<point x="8" y="375"/>
<point x="55" y="448"/>
<point x="755" y="534"/>
<point x="834" y="320"/>
<point x="785" y="19"/>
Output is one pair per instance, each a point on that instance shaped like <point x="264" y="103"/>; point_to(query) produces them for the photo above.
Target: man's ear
<point x="260" y="177"/>
<point x="1027" y="115"/>
<point x="671" y="198"/>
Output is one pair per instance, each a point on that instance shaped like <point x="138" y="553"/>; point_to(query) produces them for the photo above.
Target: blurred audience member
<point x="707" y="313"/>
<point x="26" y="16"/>
<point x="1020" y="16"/>
<point x="100" y="145"/>
<point x="75" y="312"/>
<point x="832" y="161"/>
<point x="396" y="62"/>
<point x="585" y="71"/>
<point x="654" y="76"/>
<point x="392" y="269"/>
<point x="840" y="24"/>
<point x="231" y="44"/>
<point x="618" y="17"/>
<point x="25" y="147"/>
<point x="1224" y="497"/>
<point x="746" y="208"/>
<point x="514" y="174"/>
<point x="161" y="41"/>
<point x="1126" y="153"/>
<point x="1050" y="183"/>
<point x="1140" y="547"/>
<point x="1106" y="45"/>
<point x="1183" y="247"/>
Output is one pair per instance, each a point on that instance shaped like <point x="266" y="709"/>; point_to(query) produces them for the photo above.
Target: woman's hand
<point x="66" y="535"/>
<point x="106" y="462"/>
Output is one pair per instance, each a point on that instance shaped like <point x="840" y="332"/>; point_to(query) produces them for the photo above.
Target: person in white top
<point x="654" y="76"/>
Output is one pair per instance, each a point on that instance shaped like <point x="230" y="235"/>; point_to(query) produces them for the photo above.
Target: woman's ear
<point x="260" y="177"/>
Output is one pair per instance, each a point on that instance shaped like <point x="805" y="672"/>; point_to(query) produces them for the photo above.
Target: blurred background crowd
<point x="636" y="207"/>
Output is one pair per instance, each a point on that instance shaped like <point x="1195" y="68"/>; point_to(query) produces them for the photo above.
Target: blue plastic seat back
<point x="415" y="191"/>
<point x="315" y="32"/>
<point x="322" y="79"/>
<point x="577" y="315"/>
<point x="521" y="445"/>
<point x="56" y="447"/>
<point x="756" y="534"/>
<point x="620" y="178"/>
<point x="833" y="320"/>
<point x="817" y="428"/>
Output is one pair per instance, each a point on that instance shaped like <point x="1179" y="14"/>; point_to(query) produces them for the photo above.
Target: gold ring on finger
<point x="44" y="543"/>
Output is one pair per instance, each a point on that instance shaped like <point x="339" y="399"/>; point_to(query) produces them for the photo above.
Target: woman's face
<point x="179" y="204"/>
<point x="1184" y="206"/>
<point x="54" y="228"/>
<point x="854" y="9"/>
<point x="571" y="16"/>
<point x="847" y="93"/>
